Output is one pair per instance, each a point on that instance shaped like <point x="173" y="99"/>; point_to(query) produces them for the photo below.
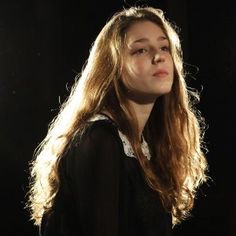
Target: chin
<point x="163" y="91"/>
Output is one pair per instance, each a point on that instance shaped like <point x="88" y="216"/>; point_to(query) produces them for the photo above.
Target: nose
<point x="157" y="57"/>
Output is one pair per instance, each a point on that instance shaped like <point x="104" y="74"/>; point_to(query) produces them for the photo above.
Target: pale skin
<point x="149" y="70"/>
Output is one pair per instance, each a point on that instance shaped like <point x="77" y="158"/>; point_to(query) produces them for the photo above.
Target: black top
<point x="103" y="191"/>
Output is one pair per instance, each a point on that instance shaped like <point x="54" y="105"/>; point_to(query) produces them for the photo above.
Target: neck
<point x="142" y="112"/>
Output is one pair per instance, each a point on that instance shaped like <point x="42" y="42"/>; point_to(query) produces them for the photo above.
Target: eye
<point x="140" y="51"/>
<point x="165" y="48"/>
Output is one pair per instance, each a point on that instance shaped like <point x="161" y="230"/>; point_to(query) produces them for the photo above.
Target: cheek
<point x="130" y="76"/>
<point x="172" y="67"/>
<point x="137" y="67"/>
<point x="133" y="70"/>
<point x="125" y="77"/>
<point x="171" y="62"/>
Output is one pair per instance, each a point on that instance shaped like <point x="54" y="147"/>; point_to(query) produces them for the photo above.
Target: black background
<point x="43" y="44"/>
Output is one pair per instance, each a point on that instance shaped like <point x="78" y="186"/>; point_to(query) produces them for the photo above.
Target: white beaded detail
<point x="98" y="117"/>
<point x="126" y="144"/>
<point x="129" y="150"/>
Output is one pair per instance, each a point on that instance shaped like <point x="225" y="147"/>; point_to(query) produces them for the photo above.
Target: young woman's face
<point x="148" y="66"/>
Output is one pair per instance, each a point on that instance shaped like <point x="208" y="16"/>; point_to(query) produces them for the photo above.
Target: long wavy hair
<point x="174" y="130"/>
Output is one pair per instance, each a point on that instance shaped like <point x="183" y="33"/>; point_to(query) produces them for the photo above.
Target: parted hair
<point x="174" y="130"/>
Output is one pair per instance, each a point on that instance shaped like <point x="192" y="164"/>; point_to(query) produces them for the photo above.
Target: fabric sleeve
<point x="94" y="170"/>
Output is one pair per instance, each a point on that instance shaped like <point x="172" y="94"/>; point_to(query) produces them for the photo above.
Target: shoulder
<point x="99" y="130"/>
<point x="96" y="133"/>
<point x="98" y="143"/>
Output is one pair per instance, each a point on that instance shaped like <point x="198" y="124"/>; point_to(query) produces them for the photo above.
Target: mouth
<point x="160" y="73"/>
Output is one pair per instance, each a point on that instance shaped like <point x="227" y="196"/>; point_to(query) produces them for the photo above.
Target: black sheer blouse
<point x="103" y="191"/>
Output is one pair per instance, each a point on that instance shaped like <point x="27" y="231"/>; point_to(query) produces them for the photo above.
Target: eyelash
<point x="144" y="50"/>
<point x="166" y="48"/>
<point x="140" y="51"/>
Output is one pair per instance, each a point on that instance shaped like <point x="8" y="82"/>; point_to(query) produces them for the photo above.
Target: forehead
<point x="143" y="29"/>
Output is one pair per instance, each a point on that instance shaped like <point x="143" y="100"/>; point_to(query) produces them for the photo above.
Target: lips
<point x="160" y="73"/>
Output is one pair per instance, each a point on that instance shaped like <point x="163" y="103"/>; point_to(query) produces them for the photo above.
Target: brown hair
<point x="174" y="129"/>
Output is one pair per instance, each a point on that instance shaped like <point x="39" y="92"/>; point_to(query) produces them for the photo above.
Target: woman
<point x="124" y="156"/>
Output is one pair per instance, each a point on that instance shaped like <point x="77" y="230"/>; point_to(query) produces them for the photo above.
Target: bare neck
<point x="142" y="112"/>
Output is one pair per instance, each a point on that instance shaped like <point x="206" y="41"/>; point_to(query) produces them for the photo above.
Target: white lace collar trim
<point x="126" y="144"/>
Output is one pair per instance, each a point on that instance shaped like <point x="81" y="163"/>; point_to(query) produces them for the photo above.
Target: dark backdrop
<point x="44" y="43"/>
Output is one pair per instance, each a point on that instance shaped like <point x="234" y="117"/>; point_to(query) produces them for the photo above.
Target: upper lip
<point x="160" y="71"/>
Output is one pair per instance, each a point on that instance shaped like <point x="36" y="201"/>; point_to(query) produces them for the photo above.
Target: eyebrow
<point x="161" y="38"/>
